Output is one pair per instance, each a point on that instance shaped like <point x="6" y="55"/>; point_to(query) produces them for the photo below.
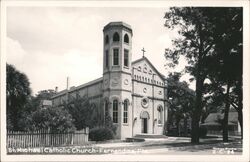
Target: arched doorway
<point x="144" y="117"/>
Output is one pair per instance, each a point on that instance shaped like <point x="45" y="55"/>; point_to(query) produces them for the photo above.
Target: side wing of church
<point x="133" y="93"/>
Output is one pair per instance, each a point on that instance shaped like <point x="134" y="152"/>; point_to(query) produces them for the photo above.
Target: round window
<point x="144" y="102"/>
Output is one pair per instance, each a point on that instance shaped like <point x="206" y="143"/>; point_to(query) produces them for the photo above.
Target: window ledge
<point x="126" y="67"/>
<point x="125" y="124"/>
<point x="160" y="125"/>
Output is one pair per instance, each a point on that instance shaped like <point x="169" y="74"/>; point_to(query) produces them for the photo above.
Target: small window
<point x="115" y="111"/>
<point x="126" y="39"/>
<point x="116" y="37"/>
<point x="106" y="39"/>
<point x="125" y="57"/>
<point x="115" y="56"/>
<point x="125" y="112"/>
<point x="107" y="58"/>
<point x="139" y="68"/>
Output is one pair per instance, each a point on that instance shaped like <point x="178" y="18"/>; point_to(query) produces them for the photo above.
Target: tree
<point x="182" y="100"/>
<point x="84" y="113"/>
<point x="18" y="95"/>
<point x="53" y="119"/>
<point x="195" y="44"/>
<point x="40" y="96"/>
<point x="229" y="48"/>
<point x="227" y="68"/>
<point x="201" y="31"/>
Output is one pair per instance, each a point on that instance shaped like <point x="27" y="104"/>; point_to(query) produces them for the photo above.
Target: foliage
<point x="227" y="69"/>
<point x="101" y="134"/>
<point x="55" y="119"/>
<point x="205" y="35"/>
<point x="18" y="94"/>
<point x="40" y="96"/>
<point x="181" y="100"/>
<point x="84" y="113"/>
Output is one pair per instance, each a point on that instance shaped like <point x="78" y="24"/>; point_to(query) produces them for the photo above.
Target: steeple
<point x="117" y="45"/>
<point x="117" y="74"/>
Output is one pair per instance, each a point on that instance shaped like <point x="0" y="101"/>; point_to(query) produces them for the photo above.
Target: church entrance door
<point x="145" y="125"/>
<point x="144" y="118"/>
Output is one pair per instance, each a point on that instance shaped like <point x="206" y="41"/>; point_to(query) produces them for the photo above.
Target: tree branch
<point x="208" y="48"/>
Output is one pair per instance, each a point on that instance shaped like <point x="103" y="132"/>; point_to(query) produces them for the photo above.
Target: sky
<point x="50" y="44"/>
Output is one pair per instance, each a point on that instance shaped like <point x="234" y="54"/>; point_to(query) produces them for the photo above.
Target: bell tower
<point x="117" y="80"/>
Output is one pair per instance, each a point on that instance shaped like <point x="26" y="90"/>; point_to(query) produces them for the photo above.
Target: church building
<point x="133" y="93"/>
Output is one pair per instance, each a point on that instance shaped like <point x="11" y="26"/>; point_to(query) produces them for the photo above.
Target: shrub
<point x="101" y="134"/>
<point x="202" y="132"/>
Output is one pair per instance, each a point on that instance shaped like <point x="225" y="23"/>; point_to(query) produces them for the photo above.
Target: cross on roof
<point x="143" y="51"/>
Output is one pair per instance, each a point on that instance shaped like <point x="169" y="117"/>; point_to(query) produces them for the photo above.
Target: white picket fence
<point x="43" y="138"/>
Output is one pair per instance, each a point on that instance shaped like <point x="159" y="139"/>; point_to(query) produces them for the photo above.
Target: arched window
<point x="115" y="111"/>
<point x="125" y="112"/>
<point x="160" y="114"/>
<point x="116" y="37"/>
<point x="106" y="39"/>
<point x="126" y="39"/>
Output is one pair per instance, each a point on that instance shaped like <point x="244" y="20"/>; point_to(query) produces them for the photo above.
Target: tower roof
<point x="117" y="24"/>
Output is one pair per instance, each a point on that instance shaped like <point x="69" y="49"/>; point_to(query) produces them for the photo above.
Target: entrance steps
<point x="142" y="137"/>
<point x="150" y="136"/>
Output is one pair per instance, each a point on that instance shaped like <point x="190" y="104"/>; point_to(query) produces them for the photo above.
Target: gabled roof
<point x="145" y="58"/>
<point x="213" y="118"/>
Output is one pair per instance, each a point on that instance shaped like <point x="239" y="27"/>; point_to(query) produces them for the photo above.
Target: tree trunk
<point x="225" y="120"/>
<point x="178" y="127"/>
<point x="185" y="127"/>
<point x="240" y="118"/>
<point x="196" y="114"/>
<point x="197" y="111"/>
<point x="240" y="115"/>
